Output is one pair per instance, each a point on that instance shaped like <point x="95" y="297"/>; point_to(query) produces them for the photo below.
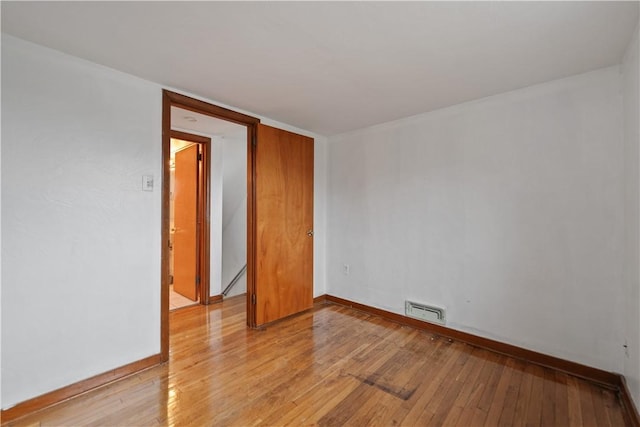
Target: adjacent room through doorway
<point x="184" y="219"/>
<point x="227" y="209"/>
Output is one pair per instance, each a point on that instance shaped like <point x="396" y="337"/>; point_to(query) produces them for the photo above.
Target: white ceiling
<point x="331" y="67"/>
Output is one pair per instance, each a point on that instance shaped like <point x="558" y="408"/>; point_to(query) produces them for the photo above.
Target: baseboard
<point x="630" y="408"/>
<point x="214" y="299"/>
<point x="64" y="393"/>
<point x="321" y="299"/>
<point x="239" y="296"/>
<point x="608" y="379"/>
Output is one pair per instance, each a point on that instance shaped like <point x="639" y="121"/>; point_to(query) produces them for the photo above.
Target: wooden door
<point x="185" y="250"/>
<point x="283" y="224"/>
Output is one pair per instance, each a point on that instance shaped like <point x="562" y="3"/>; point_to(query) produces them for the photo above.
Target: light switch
<point x="147" y="182"/>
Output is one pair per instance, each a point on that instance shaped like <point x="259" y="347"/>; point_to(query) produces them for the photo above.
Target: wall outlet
<point x="346" y="269"/>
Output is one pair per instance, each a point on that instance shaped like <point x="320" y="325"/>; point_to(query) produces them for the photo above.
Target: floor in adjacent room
<point x="331" y="366"/>
<point x="178" y="301"/>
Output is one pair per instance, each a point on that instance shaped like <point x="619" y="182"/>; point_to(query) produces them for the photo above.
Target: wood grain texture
<point x="195" y="105"/>
<point x="185" y="240"/>
<point x="185" y="136"/>
<point x="331" y="365"/>
<point x="633" y="418"/>
<point x="252" y="135"/>
<point x="68" y="392"/>
<point x="321" y="299"/>
<point x="215" y="299"/>
<point x="284" y="224"/>
<point x="204" y="221"/>
<point x="165" y="220"/>
<point x="607" y="379"/>
<point x="204" y="211"/>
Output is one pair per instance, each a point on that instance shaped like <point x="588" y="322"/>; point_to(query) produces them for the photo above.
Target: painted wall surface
<point x="320" y="202"/>
<point x="630" y="90"/>
<point x="215" y="217"/>
<point x="506" y="211"/>
<point x="234" y="211"/>
<point x="234" y="250"/>
<point x="234" y="153"/>
<point x="81" y="240"/>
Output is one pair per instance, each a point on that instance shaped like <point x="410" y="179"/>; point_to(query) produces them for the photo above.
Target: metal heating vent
<point x="428" y="313"/>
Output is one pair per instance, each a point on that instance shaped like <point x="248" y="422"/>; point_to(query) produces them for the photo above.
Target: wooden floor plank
<point x="548" y="399"/>
<point x="467" y="376"/>
<point x="586" y="404"/>
<point x="522" y="403"/>
<point x="412" y="412"/>
<point x="599" y="406"/>
<point x="561" y="399"/>
<point x="498" y="400"/>
<point x="513" y="390"/>
<point x="573" y="401"/>
<point x="331" y="365"/>
<point x="472" y="414"/>
<point x="534" y="408"/>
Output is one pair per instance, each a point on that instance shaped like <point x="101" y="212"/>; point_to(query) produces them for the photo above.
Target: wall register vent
<point x="424" y="312"/>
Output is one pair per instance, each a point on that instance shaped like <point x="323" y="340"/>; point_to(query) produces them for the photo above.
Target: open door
<point x="283" y="179"/>
<point x="185" y="249"/>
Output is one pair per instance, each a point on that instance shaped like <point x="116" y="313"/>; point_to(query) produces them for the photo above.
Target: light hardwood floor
<point x="178" y="301"/>
<point x="331" y="366"/>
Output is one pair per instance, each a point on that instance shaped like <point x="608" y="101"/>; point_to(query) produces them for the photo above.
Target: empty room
<point x="320" y="213"/>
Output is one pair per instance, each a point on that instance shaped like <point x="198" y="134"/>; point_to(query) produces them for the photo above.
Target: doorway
<point x="227" y="216"/>
<point x="279" y="217"/>
<point x="189" y="219"/>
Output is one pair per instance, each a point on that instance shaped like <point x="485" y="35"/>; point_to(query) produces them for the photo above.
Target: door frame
<point x="203" y="213"/>
<point x="173" y="99"/>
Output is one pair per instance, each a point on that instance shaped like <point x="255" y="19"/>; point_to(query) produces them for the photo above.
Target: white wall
<point x="234" y="250"/>
<point x="234" y="211"/>
<point x="215" y="216"/>
<point x="234" y="153"/>
<point x="507" y="211"/>
<point x="81" y="240"/>
<point x="320" y="202"/>
<point x="630" y="90"/>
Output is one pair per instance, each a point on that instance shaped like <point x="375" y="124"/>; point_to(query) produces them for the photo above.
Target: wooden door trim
<point x="197" y="106"/>
<point x="185" y="136"/>
<point x="252" y="137"/>
<point x="204" y="211"/>
<point x="173" y="99"/>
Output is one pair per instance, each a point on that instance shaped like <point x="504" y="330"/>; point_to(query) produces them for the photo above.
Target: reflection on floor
<point x="178" y="301"/>
<point x="331" y="366"/>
